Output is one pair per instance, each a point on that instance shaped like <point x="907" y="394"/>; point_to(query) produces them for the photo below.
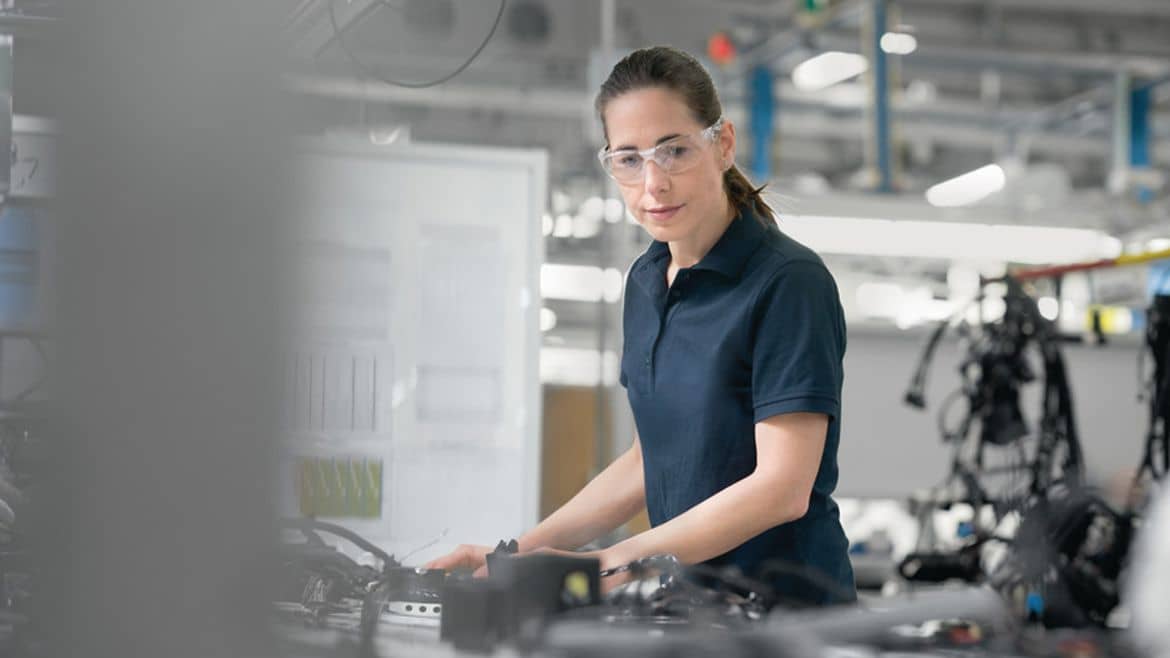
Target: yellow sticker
<point x="577" y="586"/>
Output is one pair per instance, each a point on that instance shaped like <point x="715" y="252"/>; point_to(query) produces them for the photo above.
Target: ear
<point x="726" y="144"/>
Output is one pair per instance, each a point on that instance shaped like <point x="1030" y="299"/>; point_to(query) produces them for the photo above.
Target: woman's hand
<point x="466" y="556"/>
<point x="609" y="560"/>
<point x="472" y="556"/>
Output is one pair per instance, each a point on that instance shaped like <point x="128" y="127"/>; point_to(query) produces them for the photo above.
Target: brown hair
<point x="670" y="68"/>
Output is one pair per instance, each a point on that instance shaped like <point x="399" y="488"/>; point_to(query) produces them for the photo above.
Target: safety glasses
<point x="673" y="156"/>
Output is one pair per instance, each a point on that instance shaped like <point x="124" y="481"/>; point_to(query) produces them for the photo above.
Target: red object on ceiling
<point x="720" y="48"/>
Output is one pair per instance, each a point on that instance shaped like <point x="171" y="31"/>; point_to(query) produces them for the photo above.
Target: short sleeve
<point x="627" y="282"/>
<point x="798" y="343"/>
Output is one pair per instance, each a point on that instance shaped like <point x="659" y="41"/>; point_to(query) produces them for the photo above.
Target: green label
<point x="339" y="487"/>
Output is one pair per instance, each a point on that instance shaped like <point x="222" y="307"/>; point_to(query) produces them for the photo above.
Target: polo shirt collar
<point x="728" y="257"/>
<point x="735" y="247"/>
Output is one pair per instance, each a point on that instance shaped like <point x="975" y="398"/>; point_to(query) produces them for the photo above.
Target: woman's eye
<point x="629" y="161"/>
<point x="676" y="150"/>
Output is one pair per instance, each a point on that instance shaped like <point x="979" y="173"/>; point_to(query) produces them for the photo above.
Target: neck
<point x="690" y="250"/>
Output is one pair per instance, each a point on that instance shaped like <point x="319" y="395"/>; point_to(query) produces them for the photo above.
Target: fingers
<point x="449" y="561"/>
<point x="463" y="557"/>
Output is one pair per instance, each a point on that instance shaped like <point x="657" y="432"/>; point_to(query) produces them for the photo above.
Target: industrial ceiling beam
<point x="1136" y="8"/>
<point x="929" y="56"/>
<point x="944" y="122"/>
<point x="522" y="102"/>
<point x="769" y="9"/>
<point x="23" y="25"/>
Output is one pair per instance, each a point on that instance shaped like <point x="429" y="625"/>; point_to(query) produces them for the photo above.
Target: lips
<point x="663" y="213"/>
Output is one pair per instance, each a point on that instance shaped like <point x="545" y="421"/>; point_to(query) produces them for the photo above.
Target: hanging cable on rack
<point x="1058" y="428"/>
<point x="366" y="71"/>
<point x="994" y="370"/>
<point x="1000" y="463"/>
<point x="916" y="393"/>
<point x="1156" y="456"/>
<point x="1068" y="552"/>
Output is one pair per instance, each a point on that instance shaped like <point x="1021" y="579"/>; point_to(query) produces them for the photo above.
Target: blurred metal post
<point x="6" y="68"/>
<point x="1119" y="171"/>
<point x="881" y="98"/>
<point x="603" y="440"/>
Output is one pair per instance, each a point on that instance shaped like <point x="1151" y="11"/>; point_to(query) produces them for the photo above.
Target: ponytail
<point x="743" y="195"/>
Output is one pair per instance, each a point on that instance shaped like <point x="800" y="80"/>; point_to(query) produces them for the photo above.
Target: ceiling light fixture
<point x="827" y="69"/>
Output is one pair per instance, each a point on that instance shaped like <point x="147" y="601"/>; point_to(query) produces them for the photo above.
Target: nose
<point x="656" y="179"/>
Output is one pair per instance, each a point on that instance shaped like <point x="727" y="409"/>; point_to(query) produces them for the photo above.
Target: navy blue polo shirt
<point x="753" y="330"/>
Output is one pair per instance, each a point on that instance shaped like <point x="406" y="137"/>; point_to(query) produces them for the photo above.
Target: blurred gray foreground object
<point x="858" y="625"/>
<point x="154" y="527"/>
<point x="7" y="516"/>
<point x="1148" y="591"/>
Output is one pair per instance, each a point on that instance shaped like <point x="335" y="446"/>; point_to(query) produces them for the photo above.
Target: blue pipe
<point x="1139" y="136"/>
<point x="763" y="108"/>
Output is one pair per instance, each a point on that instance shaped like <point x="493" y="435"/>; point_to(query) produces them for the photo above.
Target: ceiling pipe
<point x="1138" y="8"/>
<point x="955" y="124"/>
<point x="928" y="56"/>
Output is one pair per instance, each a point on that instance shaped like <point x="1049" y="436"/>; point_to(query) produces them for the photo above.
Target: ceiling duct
<point x="529" y="22"/>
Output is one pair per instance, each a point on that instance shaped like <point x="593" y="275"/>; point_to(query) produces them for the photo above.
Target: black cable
<point x="810" y="575"/>
<point x="1158" y="345"/>
<point x="1070" y="436"/>
<point x="688" y="586"/>
<point x="666" y="565"/>
<point x="372" y="605"/>
<point x="308" y="525"/>
<point x="729" y="581"/>
<point x="993" y="371"/>
<point x="366" y="71"/>
<point x="964" y="425"/>
<point x="916" y="393"/>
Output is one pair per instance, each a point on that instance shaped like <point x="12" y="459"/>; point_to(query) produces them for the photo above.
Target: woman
<point x="733" y="343"/>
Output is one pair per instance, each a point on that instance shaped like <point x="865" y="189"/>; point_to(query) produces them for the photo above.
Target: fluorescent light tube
<point x="827" y="69"/>
<point x="968" y="188"/>
<point x="1030" y="245"/>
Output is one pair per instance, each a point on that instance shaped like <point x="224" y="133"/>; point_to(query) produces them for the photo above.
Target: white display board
<point x="418" y="337"/>
<point x="34" y="163"/>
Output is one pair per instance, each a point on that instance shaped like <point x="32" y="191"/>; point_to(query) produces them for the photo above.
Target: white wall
<point x="890" y="449"/>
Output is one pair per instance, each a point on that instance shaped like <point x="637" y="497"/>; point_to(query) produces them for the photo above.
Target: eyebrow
<point x="631" y="147"/>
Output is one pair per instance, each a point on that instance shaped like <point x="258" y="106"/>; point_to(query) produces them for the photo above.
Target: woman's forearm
<point x="717" y="525"/>
<point x="609" y="500"/>
<point x="788" y="456"/>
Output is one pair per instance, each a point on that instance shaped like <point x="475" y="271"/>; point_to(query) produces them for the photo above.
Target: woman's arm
<point x="609" y="500"/>
<point x="788" y="456"/>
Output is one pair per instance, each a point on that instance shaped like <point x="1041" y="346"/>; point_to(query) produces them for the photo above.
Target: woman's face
<point x="671" y="207"/>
